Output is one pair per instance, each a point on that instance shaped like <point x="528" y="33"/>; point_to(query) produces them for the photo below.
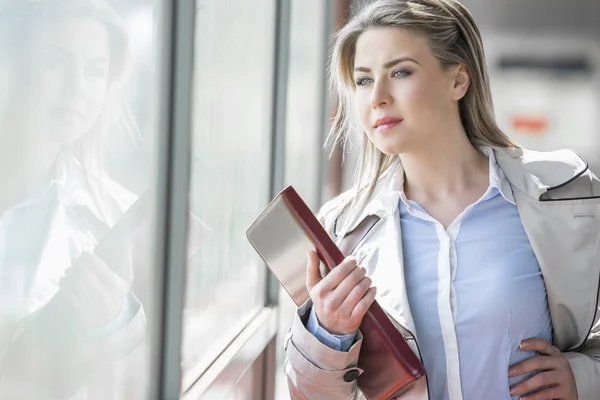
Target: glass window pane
<point x="305" y="99"/>
<point x="233" y="89"/>
<point x="78" y="96"/>
<point x="304" y="131"/>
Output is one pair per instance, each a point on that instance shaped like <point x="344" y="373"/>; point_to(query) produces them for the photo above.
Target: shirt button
<point x="351" y="375"/>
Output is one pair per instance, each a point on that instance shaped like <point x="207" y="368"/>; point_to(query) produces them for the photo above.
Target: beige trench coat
<point x="558" y="199"/>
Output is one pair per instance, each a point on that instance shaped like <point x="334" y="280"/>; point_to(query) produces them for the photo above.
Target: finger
<point x="539" y="363"/>
<point x="555" y="392"/>
<point x="363" y="305"/>
<point x="82" y="262"/>
<point x="120" y="264"/>
<point x="97" y="269"/>
<point x="69" y="271"/>
<point x="539" y="345"/>
<point x="338" y="274"/>
<point x="77" y="307"/>
<point x="356" y="294"/>
<point x="347" y="286"/>
<point x="69" y="297"/>
<point x="86" y="275"/>
<point x="313" y="275"/>
<point x="72" y="288"/>
<point x="84" y="292"/>
<point x="536" y="382"/>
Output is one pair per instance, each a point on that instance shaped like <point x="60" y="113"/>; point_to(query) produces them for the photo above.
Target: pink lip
<point x="69" y="111"/>
<point x="386" y="123"/>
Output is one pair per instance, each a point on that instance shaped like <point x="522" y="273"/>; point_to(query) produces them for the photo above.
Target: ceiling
<point x="580" y="17"/>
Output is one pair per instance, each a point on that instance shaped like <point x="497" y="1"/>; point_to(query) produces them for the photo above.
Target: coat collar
<point x="535" y="173"/>
<point x="531" y="172"/>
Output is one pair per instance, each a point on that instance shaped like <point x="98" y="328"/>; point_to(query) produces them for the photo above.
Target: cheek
<point x="425" y="101"/>
<point x="362" y="109"/>
<point x="95" y="98"/>
<point x="51" y="90"/>
<point x="48" y="88"/>
<point x="416" y="99"/>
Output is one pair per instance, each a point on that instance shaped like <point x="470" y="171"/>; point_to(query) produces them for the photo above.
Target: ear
<point x="461" y="82"/>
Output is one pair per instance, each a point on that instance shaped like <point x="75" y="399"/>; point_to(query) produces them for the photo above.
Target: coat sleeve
<point x="585" y="365"/>
<point x="585" y="362"/>
<point x="314" y="371"/>
<point x="50" y="353"/>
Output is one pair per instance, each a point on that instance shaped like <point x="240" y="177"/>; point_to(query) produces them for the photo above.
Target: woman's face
<point x="403" y="96"/>
<point x="71" y="75"/>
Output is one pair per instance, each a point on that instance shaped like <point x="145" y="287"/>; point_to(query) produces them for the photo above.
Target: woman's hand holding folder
<point x="94" y="291"/>
<point x="343" y="301"/>
<point x="342" y="298"/>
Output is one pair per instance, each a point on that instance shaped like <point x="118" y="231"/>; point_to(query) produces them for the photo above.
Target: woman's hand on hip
<point x="342" y="298"/>
<point x="555" y="379"/>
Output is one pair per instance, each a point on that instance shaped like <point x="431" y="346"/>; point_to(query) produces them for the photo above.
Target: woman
<point x="66" y="316"/>
<point x="485" y="254"/>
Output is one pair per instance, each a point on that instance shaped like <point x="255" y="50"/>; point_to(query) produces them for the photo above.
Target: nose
<point x="380" y="96"/>
<point x="74" y="84"/>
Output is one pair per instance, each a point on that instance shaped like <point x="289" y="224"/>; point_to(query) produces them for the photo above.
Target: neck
<point x="28" y="177"/>
<point x="447" y="166"/>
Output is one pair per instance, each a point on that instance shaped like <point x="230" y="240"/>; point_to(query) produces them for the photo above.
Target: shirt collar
<point x="497" y="178"/>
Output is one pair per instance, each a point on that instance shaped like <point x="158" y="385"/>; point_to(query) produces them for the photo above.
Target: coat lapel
<point x="388" y="274"/>
<point x="563" y="234"/>
<point x="382" y="250"/>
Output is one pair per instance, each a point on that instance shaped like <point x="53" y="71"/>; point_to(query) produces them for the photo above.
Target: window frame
<point x="257" y="336"/>
<point x="176" y="43"/>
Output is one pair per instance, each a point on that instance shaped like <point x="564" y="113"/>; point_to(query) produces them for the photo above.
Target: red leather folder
<point x="281" y="236"/>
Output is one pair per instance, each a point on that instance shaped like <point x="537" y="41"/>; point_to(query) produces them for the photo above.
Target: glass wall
<point x="85" y="100"/>
<point x="78" y="100"/>
<point x="230" y="176"/>
<point x="305" y="128"/>
<point x="305" y="114"/>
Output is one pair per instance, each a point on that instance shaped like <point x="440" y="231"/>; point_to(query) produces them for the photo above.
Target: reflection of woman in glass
<point x="65" y="315"/>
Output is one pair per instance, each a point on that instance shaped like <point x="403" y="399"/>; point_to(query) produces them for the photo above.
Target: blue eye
<point x="362" y="81"/>
<point x="97" y="71"/>
<point x="400" y="73"/>
<point x="51" y="60"/>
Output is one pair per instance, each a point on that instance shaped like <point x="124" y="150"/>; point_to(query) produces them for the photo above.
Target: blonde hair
<point x="454" y="39"/>
<point x="20" y="18"/>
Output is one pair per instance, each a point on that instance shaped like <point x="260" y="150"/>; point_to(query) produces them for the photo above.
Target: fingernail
<point x="524" y="345"/>
<point x="514" y="390"/>
<point x="512" y="372"/>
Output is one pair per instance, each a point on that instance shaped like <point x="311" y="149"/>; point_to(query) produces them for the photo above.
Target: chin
<point x="389" y="151"/>
<point x="64" y="128"/>
<point x="66" y="133"/>
<point x="391" y="143"/>
<point x="391" y="148"/>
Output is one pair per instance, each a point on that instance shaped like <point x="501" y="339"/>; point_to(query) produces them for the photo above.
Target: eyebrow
<point x="67" y="53"/>
<point x="388" y="64"/>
